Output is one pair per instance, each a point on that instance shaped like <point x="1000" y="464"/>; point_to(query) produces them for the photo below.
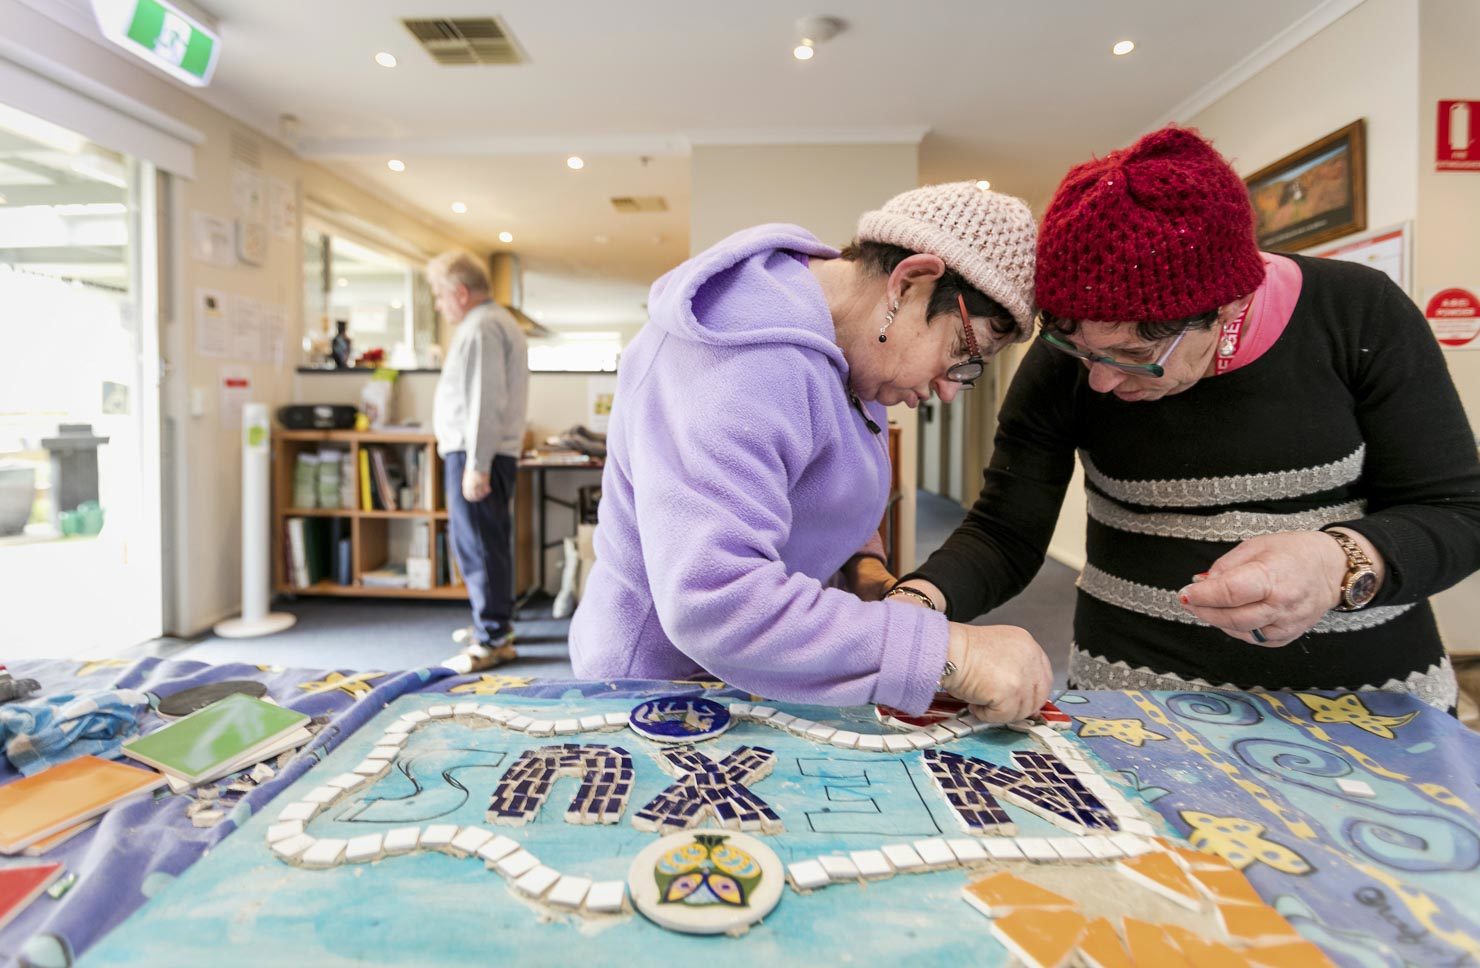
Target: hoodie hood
<point x="748" y="289"/>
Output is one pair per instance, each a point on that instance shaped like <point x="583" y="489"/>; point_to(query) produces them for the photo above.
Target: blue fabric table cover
<point x="1387" y="881"/>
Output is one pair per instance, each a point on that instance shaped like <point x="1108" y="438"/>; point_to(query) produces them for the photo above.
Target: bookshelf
<point x="369" y="531"/>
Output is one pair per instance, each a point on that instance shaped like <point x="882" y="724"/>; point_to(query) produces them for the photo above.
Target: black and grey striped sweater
<point x="1350" y="417"/>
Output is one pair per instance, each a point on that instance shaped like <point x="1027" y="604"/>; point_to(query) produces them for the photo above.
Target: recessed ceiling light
<point x="1124" y="47"/>
<point x="506" y="237"/>
<point x="385" y="59"/>
<point x="459" y="207"/>
<point x="984" y="185"/>
<point x="396" y="164"/>
<point x="803" y="52"/>
<point x="396" y="304"/>
<point x="575" y="163"/>
<point x="2" y="199"/>
<point x="341" y="282"/>
<point x="598" y="239"/>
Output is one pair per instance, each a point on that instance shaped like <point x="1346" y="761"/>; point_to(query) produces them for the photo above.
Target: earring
<point x="888" y="321"/>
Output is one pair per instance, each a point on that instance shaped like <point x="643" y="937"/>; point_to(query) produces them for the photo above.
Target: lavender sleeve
<point x="712" y="475"/>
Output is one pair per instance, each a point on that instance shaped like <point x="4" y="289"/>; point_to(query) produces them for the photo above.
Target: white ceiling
<point x="1010" y="90"/>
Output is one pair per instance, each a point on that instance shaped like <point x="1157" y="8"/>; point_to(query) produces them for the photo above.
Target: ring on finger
<point x="1258" y="636"/>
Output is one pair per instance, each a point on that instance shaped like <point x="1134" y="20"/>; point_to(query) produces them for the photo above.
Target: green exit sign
<point x="162" y="34"/>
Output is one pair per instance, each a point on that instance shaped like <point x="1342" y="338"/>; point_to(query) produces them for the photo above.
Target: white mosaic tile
<point x="372" y="767"/>
<point x="808" y="875"/>
<point x="361" y="850"/>
<point x="1102" y="848"/>
<point x="1130" y="844"/>
<point x="782" y="719"/>
<point x="566" y="727"/>
<point x="1070" y="848"/>
<point x="284" y="830"/>
<point x="920" y="739"/>
<point x="569" y="892"/>
<point x="590" y="724"/>
<point x="1037" y="849"/>
<point x="537" y="881"/>
<point x="820" y="733"/>
<point x="844" y="739"/>
<point x="872" y="742"/>
<point x="438" y="836"/>
<point x="439" y="711"/>
<point x="871" y="864"/>
<point x="324" y="853"/>
<point x="414" y="717"/>
<point x="897" y="744"/>
<point x="613" y="720"/>
<point x="940" y="734"/>
<point x="298" y="811"/>
<point x="468" y="840"/>
<point x="348" y="781"/>
<point x="402" y="840"/>
<point x="1356" y="788"/>
<point x="935" y="852"/>
<point x="740" y="710"/>
<point x="498" y="714"/>
<point x="902" y="857"/>
<point x="956" y="727"/>
<point x="517" y="864"/>
<point x="839" y="868"/>
<point x="399" y="728"/>
<point x="607" y="897"/>
<point x="968" y="850"/>
<point x="465" y="709"/>
<point x="323" y="796"/>
<point x="291" y="848"/>
<point x="541" y="727"/>
<point x="1002" y="848"/>
<point x="799" y="727"/>
<point x="519" y="723"/>
<point x="761" y="714"/>
<point x="497" y="849"/>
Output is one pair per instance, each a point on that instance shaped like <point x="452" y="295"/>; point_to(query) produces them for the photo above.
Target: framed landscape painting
<point x="1314" y="195"/>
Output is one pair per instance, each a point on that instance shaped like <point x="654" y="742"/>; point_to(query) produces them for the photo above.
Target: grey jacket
<point x="483" y="393"/>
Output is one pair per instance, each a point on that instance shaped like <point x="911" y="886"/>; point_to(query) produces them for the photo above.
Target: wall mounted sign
<point x="1454" y="315"/>
<point x="161" y="33"/>
<point x="1458" y="147"/>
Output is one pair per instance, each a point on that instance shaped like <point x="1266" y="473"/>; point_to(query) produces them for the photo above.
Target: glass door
<point x="79" y="460"/>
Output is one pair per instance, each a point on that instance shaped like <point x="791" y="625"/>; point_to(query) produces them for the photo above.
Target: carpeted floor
<point x="377" y="634"/>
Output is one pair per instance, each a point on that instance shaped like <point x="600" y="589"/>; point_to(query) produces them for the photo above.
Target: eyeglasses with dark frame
<point x="971" y="370"/>
<point x="1156" y="369"/>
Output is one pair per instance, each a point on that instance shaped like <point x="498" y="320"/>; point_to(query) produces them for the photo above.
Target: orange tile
<point x="1159" y="873"/>
<point x="1004" y="893"/>
<point x="1226" y="887"/>
<point x="1204" y="953"/>
<point x="1151" y="947"/>
<point x="1191" y="859"/>
<point x="1255" y="924"/>
<point x="1100" y="947"/>
<point x="1299" y="954"/>
<point x="1039" y="937"/>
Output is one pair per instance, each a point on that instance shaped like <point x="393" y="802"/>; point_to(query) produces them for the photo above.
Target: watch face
<point x="1362" y="590"/>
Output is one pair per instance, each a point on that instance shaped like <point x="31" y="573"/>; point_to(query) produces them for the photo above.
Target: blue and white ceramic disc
<point x="679" y="719"/>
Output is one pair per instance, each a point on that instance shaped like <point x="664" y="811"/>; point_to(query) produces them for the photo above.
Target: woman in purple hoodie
<point x="748" y="469"/>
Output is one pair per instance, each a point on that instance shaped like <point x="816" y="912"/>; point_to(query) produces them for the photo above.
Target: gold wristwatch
<point x="1359" y="586"/>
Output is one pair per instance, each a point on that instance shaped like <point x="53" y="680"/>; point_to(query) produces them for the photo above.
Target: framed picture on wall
<point x="1313" y="195"/>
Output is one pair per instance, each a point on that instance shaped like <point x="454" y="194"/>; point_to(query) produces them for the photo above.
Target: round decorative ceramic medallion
<point x="187" y="701"/>
<point x="706" y="882"/>
<point x="680" y="719"/>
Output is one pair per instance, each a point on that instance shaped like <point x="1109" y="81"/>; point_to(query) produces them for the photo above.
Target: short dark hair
<point x="880" y="258"/>
<point x="1149" y="331"/>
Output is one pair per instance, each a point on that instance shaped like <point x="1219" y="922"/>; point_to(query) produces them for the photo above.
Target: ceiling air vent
<point x="466" y="40"/>
<point x="632" y="204"/>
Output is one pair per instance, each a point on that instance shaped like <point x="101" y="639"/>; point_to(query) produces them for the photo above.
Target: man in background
<point x="478" y="416"/>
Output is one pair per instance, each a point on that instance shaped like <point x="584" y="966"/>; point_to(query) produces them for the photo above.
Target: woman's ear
<point x="915" y="270"/>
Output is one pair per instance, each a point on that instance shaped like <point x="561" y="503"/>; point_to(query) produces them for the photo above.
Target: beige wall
<point x="206" y="492"/>
<point x="824" y="188"/>
<point x="1364" y="65"/>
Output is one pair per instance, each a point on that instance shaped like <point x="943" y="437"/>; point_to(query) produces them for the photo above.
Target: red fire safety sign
<point x="1459" y="136"/>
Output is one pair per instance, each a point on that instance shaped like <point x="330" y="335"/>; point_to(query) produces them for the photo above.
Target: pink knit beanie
<point x="987" y="237"/>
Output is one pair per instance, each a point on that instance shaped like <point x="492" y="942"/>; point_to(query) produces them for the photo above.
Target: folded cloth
<point x="49" y="731"/>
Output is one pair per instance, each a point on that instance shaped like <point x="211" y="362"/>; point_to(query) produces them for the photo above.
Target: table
<point x="1378" y="881"/>
<point x="538" y="467"/>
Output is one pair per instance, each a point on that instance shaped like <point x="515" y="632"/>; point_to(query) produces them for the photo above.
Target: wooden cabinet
<point x="370" y="532"/>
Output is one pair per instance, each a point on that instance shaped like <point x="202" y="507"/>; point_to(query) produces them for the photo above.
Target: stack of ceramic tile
<point x="223" y="738"/>
<point x="38" y="812"/>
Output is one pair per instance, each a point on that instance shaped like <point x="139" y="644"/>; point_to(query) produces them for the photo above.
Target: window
<point x="576" y="352"/>
<point x="383" y="299"/>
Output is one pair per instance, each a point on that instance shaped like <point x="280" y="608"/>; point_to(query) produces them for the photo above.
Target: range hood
<point x="507" y="277"/>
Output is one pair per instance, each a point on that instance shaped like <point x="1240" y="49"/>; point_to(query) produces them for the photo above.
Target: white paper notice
<point x="248" y="193"/>
<point x="246" y="331"/>
<point x="236" y="392"/>
<point x="273" y="320"/>
<point x="212" y="333"/>
<point x="212" y="240"/>
<point x="282" y="208"/>
<point x="600" y="392"/>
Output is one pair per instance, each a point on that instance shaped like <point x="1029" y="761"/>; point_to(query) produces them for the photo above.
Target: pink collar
<point x="1265" y="318"/>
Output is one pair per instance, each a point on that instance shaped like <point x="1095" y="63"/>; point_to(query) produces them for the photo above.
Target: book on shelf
<point x="326" y="489"/>
<point x="366" y="503"/>
<point x="386" y="576"/>
<point x="444" y="569"/>
<point x="310" y="549"/>
<point x="342" y="550"/>
<point x="348" y="484"/>
<point x="383" y="487"/>
<point x="305" y="480"/>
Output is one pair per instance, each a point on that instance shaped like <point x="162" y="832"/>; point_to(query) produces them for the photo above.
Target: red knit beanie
<point x="1162" y="230"/>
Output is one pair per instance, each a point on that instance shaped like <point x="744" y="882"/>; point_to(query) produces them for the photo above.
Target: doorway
<point x="80" y="533"/>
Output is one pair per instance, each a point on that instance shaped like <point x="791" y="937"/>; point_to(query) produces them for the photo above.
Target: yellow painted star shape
<point x="1350" y="709"/>
<point x="98" y="665"/>
<point x="1240" y="842"/>
<point x="487" y="685"/>
<point x="356" y="686"/>
<point x="1132" y="732"/>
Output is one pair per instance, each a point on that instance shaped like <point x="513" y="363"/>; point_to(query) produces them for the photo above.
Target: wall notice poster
<point x="246" y="336"/>
<point x="212" y="240"/>
<point x="282" y="208"/>
<point x="600" y="392"/>
<point x="212" y="331"/>
<point x="1454" y="315"/>
<point x="236" y="393"/>
<point x="1385" y="250"/>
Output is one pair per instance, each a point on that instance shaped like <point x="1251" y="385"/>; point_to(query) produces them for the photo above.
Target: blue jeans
<point x="478" y="534"/>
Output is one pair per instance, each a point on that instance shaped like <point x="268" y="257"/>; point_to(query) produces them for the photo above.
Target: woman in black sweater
<point x="1278" y="469"/>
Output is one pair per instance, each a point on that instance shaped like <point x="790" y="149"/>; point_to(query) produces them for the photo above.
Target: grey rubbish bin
<point x="74" y="468"/>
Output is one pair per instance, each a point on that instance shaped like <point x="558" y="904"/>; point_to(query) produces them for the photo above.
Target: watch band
<point x="1359" y="570"/>
<point x="913" y="593"/>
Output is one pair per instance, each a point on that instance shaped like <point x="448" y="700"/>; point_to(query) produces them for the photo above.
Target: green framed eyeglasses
<point x="1156" y="369"/>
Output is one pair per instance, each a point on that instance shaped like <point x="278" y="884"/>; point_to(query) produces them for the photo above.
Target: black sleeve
<point x="1000" y="546"/>
<point x="1421" y="476"/>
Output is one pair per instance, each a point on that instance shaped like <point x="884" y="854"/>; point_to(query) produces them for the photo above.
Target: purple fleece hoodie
<point x="738" y="481"/>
